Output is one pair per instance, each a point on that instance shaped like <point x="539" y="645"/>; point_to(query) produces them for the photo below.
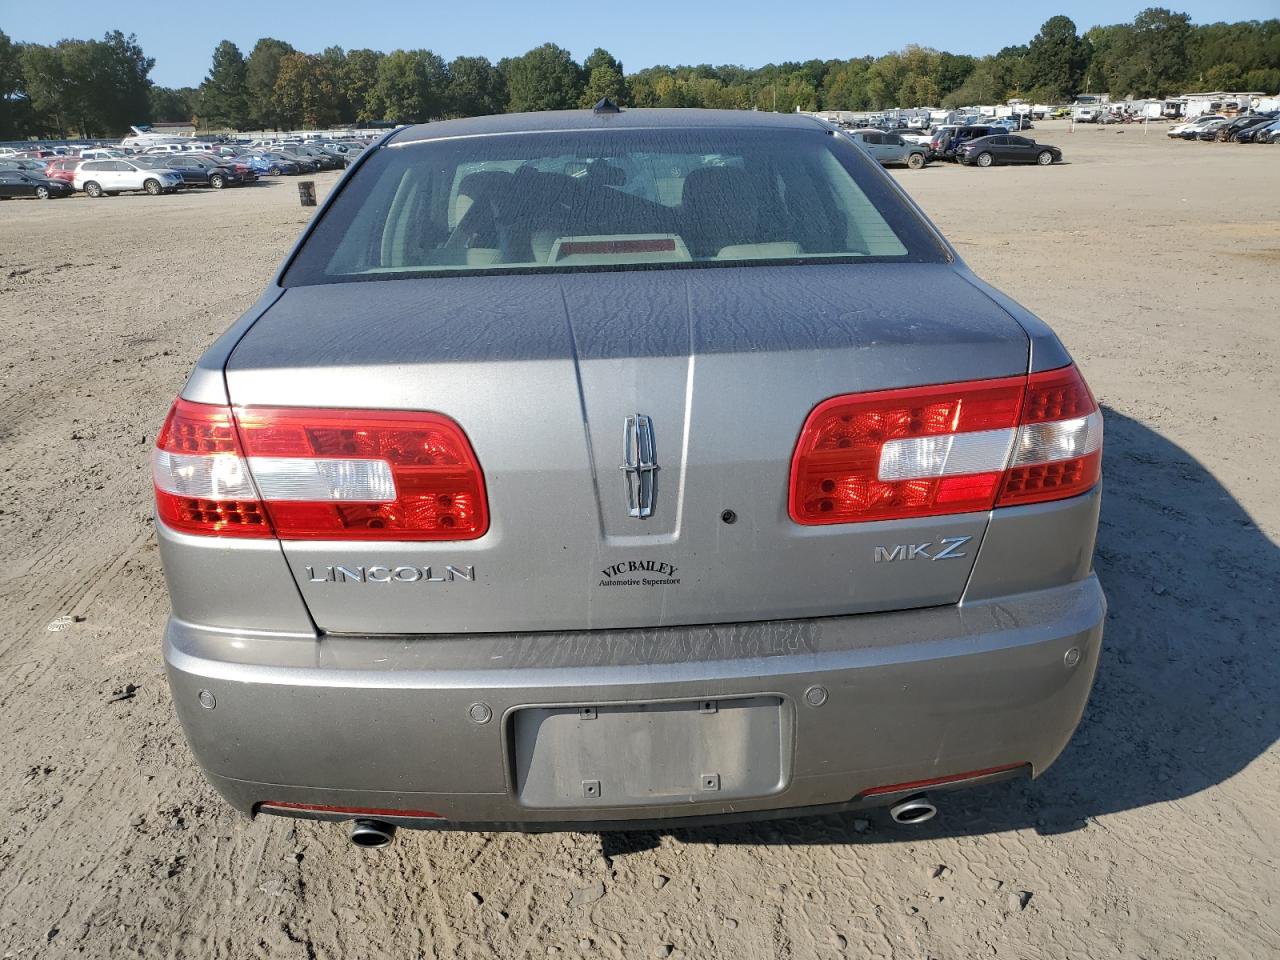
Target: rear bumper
<point x="382" y="723"/>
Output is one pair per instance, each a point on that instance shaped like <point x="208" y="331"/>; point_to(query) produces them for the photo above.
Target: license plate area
<point x="636" y="754"/>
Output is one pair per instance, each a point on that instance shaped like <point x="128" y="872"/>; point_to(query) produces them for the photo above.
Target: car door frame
<point x="1021" y="149"/>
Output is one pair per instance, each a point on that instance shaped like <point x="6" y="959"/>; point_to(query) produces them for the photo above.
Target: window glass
<point x="629" y="199"/>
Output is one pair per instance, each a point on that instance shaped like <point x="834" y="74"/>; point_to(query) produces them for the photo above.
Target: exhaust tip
<point x="913" y="810"/>
<point x="371" y="834"/>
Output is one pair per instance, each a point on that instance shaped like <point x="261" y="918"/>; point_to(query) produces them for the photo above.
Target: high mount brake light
<point x="318" y="474"/>
<point x="950" y="448"/>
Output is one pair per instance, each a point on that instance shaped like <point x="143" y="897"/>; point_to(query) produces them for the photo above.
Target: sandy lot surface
<point x="1157" y="835"/>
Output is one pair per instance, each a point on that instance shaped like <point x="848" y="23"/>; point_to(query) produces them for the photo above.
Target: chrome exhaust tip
<point x="913" y="810"/>
<point x="371" y="834"/>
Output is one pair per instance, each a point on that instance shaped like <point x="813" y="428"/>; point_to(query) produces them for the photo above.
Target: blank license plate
<point x="650" y="753"/>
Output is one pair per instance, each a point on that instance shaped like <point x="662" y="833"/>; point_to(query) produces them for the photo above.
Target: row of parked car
<point x="988" y="144"/>
<point x="1247" y="128"/>
<point x="164" y="168"/>
<point x="978" y="144"/>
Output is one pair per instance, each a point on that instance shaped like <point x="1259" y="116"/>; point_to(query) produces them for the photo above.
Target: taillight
<point x="318" y="474"/>
<point x="951" y="448"/>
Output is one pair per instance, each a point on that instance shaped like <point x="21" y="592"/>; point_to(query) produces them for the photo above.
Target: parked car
<point x="1229" y="131"/>
<point x="1251" y="133"/>
<point x="305" y="164"/>
<point x="1268" y="133"/>
<point x="102" y="153"/>
<point x="273" y="164"/>
<point x="1007" y="148"/>
<point x="890" y="149"/>
<point x="1015" y="122"/>
<point x="242" y="169"/>
<point x="203" y="172"/>
<point x="23" y="183"/>
<point x="869" y="581"/>
<point x="110" y="177"/>
<point x="1209" y="131"/>
<point x="345" y="152"/>
<point x="63" y="169"/>
<point x="321" y="159"/>
<point x="1191" y="130"/>
<point x="36" y="167"/>
<point x="952" y="141"/>
<point x="939" y="138"/>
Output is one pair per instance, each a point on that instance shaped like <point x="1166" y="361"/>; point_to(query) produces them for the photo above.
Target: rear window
<point x="599" y="200"/>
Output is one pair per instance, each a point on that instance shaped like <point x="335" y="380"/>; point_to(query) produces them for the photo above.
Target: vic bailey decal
<point x="636" y="573"/>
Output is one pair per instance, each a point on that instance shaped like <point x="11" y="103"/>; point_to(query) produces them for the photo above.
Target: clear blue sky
<point x="749" y="32"/>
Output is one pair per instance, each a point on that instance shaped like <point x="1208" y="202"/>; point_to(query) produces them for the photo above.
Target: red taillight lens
<point x="953" y="448"/>
<point x="904" y="453"/>
<point x="364" y="474"/>
<point x="307" y="474"/>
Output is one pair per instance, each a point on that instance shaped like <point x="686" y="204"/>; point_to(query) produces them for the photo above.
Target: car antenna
<point x="605" y="105"/>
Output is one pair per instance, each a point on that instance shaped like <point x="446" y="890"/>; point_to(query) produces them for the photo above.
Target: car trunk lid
<point x="555" y="378"/>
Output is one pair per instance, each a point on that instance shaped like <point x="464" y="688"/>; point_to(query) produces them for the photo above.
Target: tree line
<point x="93" y="88"/>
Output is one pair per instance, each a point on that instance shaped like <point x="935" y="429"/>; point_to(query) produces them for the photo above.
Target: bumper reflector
<point x="940" y="781"/>
<point x="353" y="811"/>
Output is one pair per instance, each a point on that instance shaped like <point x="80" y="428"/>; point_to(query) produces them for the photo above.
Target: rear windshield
<point x="600" y="200"/>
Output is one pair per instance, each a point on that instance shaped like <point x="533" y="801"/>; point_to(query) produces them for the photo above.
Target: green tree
<point x="224" y="98"/>
<point x="261" y="71"/>
<point x="1056" y="60"/>
<point x="1155" y="53"/>
<point x="845" y="88"/>
<point x="120" y="79"/>
<point x="335" y="62"/>
<point x="92" y="88"/>
<point x="46" y="86"/>
<point x="604" y="82"/>
<point x="175" y="105"/>
<point x="545" y="78"/>
<point x="476" y="88"/>
<point x="604" y="77"/>
<point x="15" y="108"/>
<point x="306" y="92"/>
<point x="412" y="86"/>
<point x="359" y="80"/>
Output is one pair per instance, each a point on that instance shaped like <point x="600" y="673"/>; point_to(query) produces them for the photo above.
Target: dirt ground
<point x="1157" y="835"/>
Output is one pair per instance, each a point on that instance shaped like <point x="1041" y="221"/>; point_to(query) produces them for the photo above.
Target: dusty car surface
<point x="589" y="470"/>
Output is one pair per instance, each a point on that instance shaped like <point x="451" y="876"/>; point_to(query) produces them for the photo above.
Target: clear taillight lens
<point x="952" y="448"/>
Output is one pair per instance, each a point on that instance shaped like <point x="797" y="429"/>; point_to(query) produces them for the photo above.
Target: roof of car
<point x="568" y="120"/>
